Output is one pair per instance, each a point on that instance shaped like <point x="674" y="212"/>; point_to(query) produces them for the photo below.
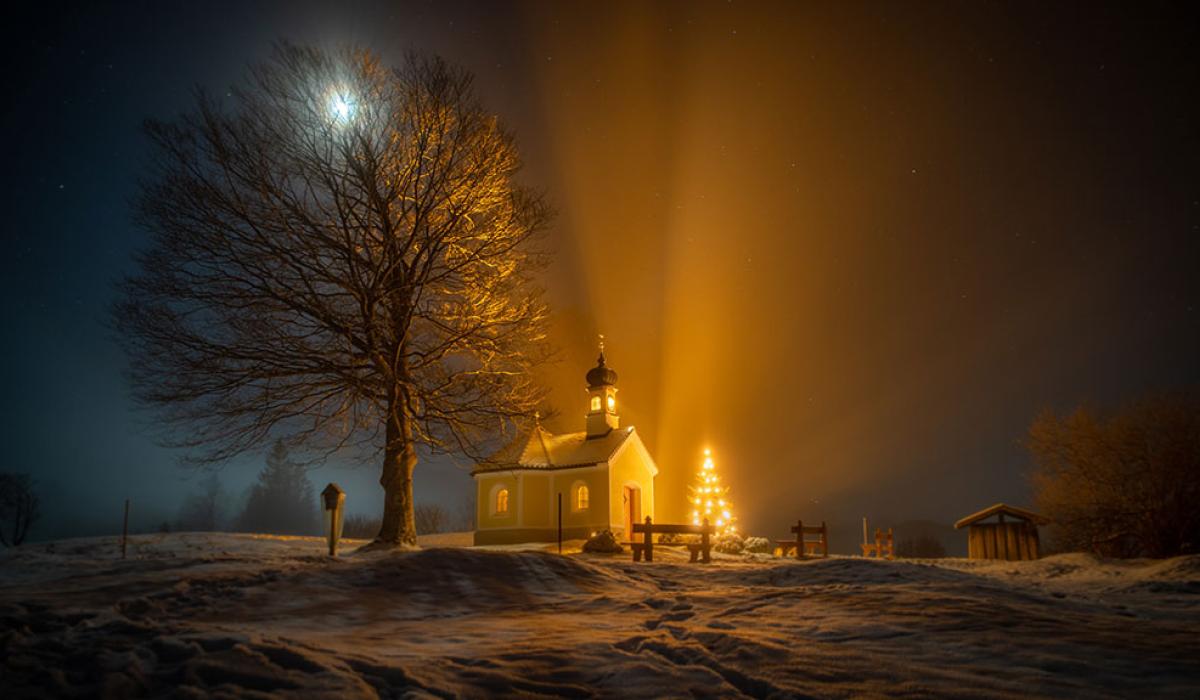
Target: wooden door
<point x="631" y="507"/>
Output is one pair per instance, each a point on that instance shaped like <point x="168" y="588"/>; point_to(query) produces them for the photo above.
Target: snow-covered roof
<point x="545" y="450"/>
<point x="1019" y="513"/>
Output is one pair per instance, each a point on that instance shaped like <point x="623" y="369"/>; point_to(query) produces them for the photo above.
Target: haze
<point x="852" y="249"/>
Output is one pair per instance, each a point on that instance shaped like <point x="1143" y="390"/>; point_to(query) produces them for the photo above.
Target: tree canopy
<point x="1123" y="484"/>
<point x="339" y="256"/>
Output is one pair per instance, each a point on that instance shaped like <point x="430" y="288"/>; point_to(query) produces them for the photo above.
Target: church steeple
<point x="602" y="415"/>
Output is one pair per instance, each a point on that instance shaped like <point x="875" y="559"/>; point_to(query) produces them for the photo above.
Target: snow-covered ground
<point x="198" y="614"/>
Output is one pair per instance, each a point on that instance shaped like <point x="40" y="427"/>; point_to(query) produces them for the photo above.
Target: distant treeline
<point x="284" y="501"/>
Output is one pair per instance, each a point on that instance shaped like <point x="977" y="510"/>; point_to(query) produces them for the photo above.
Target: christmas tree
<point x="710" y="500"/>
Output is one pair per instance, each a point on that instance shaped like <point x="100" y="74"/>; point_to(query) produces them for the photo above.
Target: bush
<point x="1124" y="485"/>
<point x="603" y="542"/>
<point x="730" y="543"/>
<point x="757" y="545"/>
<point x="670" y="538"/>
<point x="361" y="527"/>
<point x="430" y="518"/>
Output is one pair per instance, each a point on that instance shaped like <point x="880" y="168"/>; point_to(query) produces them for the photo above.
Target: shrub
<point x="757" y="545"/>
<point x="361" y="527"/>
<point x="430" y="518"/>
<point x="730" y="543"/>
<point x="603" y="542"/>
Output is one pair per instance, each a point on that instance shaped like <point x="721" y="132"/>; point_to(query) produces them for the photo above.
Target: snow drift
<point x="198" y="614"/>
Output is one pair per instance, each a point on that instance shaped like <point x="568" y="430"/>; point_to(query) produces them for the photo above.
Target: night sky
<point x="853" y="248"/>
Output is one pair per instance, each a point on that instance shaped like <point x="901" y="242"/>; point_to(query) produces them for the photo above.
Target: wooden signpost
<point x="334" y="499"/>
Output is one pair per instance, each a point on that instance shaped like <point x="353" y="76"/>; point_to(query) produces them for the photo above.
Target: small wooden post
<point x="824" y="540"/>
<point x="648" y="540"/>
<point x="333" y="499"/>
<point x="799" y="539"/>
<point x="560" y="522"/>
<point x="125" y="529"/>
<point x="864" y="529"/>
<point x="704" y="542"/>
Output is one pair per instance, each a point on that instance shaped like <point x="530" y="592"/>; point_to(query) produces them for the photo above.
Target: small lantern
<point x="333" y="498"/>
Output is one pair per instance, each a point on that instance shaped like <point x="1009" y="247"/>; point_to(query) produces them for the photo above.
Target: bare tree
<point x="19" y="508"/>
<point x="430" y="519"/>
<point x="466" y="511"/>
<point x="203" y="510"/>
<point x="1127" y="484"/>
<point x="339" y="255"/>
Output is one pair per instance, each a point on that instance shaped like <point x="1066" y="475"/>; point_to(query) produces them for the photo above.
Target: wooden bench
<point x="698" y="550"/>
<point x="884" y="547"/>
<point x="804" y="546"/>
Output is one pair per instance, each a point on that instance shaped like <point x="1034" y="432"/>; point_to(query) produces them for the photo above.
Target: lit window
<point x="595" y="403"/>
<point x="612" y="403"/>
<point x="581" y="498"/>
<point x="502" y="502"/>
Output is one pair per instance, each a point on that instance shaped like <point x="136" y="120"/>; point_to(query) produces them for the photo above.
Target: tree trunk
<point x="399" y="460"/>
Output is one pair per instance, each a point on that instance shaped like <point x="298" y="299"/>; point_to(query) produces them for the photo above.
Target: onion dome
<point x="601" y="375"/>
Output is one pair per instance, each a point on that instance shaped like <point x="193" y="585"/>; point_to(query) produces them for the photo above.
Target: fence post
<point x="799" y="539"/>
<point x="648" y="541"/>
<point x="824" y="540"/>
<point x="704" y="545"/>
<point x="560" y="522"/>
<point x="125" y="529"/>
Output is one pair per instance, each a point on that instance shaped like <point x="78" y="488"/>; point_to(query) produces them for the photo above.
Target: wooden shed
<point x="1012" y="536"/>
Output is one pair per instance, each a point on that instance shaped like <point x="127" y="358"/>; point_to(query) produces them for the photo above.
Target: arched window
<point x="612" y="404"/>
<point x="502" y="502"/>
<point x="581" y="498"/>
<point x="595" y="403"/>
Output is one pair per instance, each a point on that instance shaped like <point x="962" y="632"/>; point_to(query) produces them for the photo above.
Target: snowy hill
<point x="207" y="613"/>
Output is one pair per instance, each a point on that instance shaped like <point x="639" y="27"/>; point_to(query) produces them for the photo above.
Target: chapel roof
<point x="601" y="374"/>
<point x="1002" y="508"/>
<point x="544" y="450"/>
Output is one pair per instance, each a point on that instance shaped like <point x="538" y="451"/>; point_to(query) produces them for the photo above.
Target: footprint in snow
<point x="670" y="617"/>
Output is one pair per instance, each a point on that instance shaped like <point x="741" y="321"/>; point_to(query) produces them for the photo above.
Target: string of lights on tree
<point x="710" y="499"/>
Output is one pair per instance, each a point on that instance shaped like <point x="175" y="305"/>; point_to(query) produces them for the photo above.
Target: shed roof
<point x="544" y="450"/>
<point x="1019" y="513"/>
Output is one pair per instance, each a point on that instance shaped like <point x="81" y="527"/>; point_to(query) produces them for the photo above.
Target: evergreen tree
<point x="283" y="501"/>
<point x="710" y="499"/>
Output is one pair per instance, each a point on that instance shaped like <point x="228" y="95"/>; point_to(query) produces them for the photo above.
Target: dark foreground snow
<point x="192" y="615"/>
